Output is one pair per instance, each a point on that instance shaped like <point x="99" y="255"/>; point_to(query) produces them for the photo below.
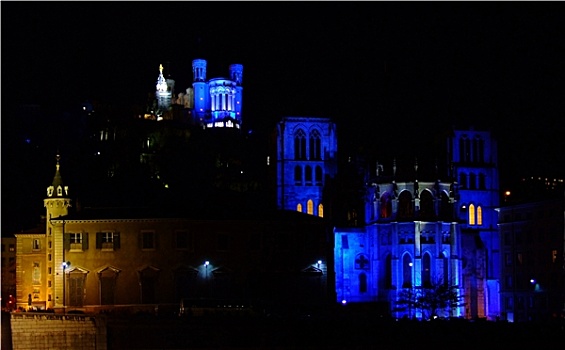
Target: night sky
<point x="388" y="73"/>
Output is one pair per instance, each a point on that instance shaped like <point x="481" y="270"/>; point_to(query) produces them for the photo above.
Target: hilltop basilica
<point x="291" y="227"/>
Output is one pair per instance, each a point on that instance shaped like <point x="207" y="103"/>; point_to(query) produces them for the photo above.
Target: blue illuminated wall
<point x="474" y="160"/>
<point x="409" y="232"/>
<point x="306" y="157"/>
<point x="210" y="103"/>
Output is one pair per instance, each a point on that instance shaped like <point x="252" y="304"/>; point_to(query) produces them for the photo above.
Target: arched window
<point x="426" y="271"/>
<point x="445" y="210"/>
<point x="315" y="145"/>
<point x="471" y="214"/>
<point x="386" y="205"/>
<point x="310" y="207"/>
<point x="298" y="175"/>
<point x="299" y="145"/>
<point x="319" y="175"/>
<point x="482" y="182"/>
<point x="444" y="268"/>
<point x="427" y="211"/>
<point x="463" y="180"/>
<point x="478" y="150"/>
<point x="299" y="207"/>
<point x="405" y="207"/>
<point x="321" y="210"/>
<point x="406" y="271"/>
<point x="308" y="175"/>
<point x="472" y="181"/>
<point x="479" y="215"/>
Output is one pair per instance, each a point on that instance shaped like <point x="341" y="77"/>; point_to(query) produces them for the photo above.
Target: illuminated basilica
<point x="212" y="103"/>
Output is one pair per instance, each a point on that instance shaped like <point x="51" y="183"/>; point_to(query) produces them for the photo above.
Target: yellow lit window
<point x="479" y="215"/>
<point x="310" y="207"/>
<point x="471" y="214"/>
<point x="321" y="210"/>
<point x="299" y="207"/>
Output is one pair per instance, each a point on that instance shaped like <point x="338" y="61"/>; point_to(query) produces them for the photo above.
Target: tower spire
<point x="57" y="189"/>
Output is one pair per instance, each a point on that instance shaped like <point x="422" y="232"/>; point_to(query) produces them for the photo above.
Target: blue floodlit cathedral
<point x="404" y="232"/>
<point x="389" y="229"/>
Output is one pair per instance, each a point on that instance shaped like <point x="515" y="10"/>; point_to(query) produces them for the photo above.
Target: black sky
<point x="385" y="71"/>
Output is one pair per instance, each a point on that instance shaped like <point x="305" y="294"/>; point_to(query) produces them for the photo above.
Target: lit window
<point x="471" y="214"/>
<point x="479" y="215"/>
<point x="321" y="210"/>
<point x="299" y="207"/>
<point x="76" y="241"/>
<point x="310" y="207"/>
<point x="107" y="240"/>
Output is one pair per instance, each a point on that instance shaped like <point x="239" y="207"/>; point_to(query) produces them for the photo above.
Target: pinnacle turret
<point x="57" y="189"/>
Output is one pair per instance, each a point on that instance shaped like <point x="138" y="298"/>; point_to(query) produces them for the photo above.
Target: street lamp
<point x="65" y="265"/>
<point x="206" y="284"/>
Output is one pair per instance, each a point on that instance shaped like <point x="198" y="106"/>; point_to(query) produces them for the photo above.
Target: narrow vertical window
<point x="310" y="207"/>
<point x="315" y="145"/>
<point x="308" y="175"/>
<point x="479" y="215"/>
<point x="298" y="175"/>
<point x="321" y="210"/>
<point x="471" y="214"/>
<point x="299" y="207"/>
<point x="299" y="145"/>
<point x="319" y="176"/>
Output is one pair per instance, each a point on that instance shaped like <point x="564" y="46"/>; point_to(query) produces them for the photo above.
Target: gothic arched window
<point x="445" y="210"/>
<point x="463" y="180"/>
<point x="321" y="210"/>
<point x="471" y="214"/>
<point x="308" y="175"/>
<point x="319" y="175"/>
<point x="427" y="205"/>
<point x="482" y="182"/>
<point x="298" y="175"/>
<point x="299" y="207"/>
<point x="405" y="208"/>
<point x="386" y="205"/>
<point x="299" y="145"/>
<point x="315" y="145"/>
<point x="472" y="181"/>
<point x="479" y="215"/>
<point x="310" y="207"/>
